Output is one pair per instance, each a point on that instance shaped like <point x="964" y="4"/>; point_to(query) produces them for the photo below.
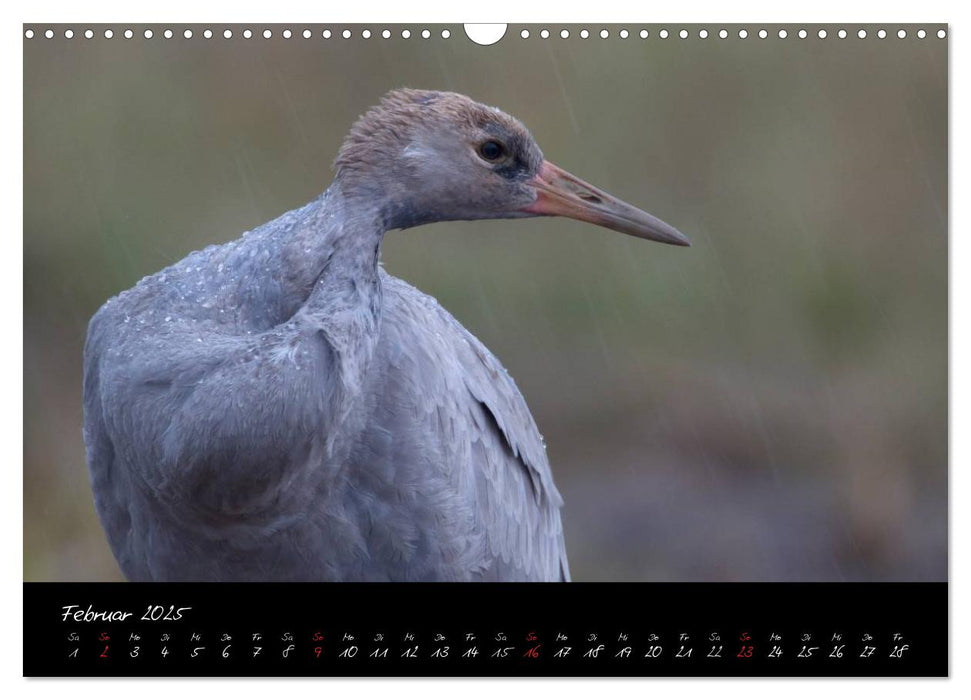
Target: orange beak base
<point x="561" y="194"/>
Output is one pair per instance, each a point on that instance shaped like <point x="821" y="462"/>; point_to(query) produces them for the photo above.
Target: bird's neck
<point x="316" y="266"/>
<point x="384" y="191"/>
<point x="336" y="250"/>
<point x="335" y="255"/>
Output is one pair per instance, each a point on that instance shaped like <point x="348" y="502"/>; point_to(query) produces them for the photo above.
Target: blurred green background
<point x="770" y="404"/>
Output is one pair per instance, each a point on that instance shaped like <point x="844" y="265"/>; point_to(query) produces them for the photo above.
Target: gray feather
<point x="276" y="408"/>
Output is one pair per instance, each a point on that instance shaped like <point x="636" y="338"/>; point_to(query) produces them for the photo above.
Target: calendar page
<point x="485" y="350"/>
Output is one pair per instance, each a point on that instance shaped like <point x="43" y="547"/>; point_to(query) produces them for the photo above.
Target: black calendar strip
<point x="847" y="629"/>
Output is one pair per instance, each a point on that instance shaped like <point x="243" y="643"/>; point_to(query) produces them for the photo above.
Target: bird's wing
<point x="112" y="479"/>
<point x="449" y="428"/>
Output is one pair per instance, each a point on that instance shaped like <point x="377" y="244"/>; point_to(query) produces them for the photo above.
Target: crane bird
<point x="280" y="408"/>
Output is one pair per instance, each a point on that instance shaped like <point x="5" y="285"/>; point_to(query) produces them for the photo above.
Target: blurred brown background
<point x="770" y="404"/>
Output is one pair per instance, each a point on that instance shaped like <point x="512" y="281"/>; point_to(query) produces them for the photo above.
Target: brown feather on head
<point x="419" y="153"/>
<point x="384" y="127"/>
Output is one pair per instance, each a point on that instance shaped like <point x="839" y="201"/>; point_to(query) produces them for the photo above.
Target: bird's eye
<point x="492" y="150"/>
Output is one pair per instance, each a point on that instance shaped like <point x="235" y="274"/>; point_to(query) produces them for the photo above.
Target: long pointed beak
<point x="562" y="194"/>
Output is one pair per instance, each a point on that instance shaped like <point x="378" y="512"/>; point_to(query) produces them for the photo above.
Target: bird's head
<point x="430" y="156"/>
